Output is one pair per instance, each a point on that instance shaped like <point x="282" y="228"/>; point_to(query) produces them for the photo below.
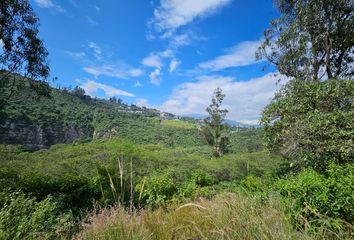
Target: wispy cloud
<point x="172" y="14"/>
<point x="97" y="63"/>
<point x="138" y="84"/>
<point x="91" y="88"/>
<point x="174" y="64"/>
<point x="244" y="99"/>
<point x="49" y="4"/>
<point x="153" y="60"/>
<point x="121" y="71"/>
<point x="76" y="55"/>
<point x="240" y="55"/>
<point x="154" y="77"/>
<point x="167" y="22"/>
<point x="96" y="49"/>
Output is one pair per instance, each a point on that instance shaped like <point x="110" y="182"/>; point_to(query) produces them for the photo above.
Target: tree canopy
<point x="312" y="123"/>
<point x="21" y="50"/>
<point x="213" y="125"/>
<point x="312" y="39"/>
<point x="310" y="120"/>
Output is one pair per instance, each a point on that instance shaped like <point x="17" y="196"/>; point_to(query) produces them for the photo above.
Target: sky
<point x="164" y="54"/>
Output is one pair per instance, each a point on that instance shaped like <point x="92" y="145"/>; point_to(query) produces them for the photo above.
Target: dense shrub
<point x="23" y="217"/>
<point x="312" y="123"/>
<point x="253" y="183"/>
<point x="319" y="202"/>
<point x="156" y="190"/>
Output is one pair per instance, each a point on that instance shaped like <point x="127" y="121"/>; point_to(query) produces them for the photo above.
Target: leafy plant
<point x="23" y="217"/>
<point x="312" y="123"/>
<point x="317" y="201"/>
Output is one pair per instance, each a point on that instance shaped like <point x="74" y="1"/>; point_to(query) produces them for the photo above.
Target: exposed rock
<point x="39" y="136"/>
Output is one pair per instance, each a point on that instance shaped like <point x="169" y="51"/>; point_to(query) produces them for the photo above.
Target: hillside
<point x="69" y="115"/>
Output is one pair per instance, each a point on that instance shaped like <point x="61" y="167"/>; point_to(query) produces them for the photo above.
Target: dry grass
<point x="228" y="216"/>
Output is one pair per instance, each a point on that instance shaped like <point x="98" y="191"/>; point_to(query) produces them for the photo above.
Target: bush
<point x="23" y="217"/>
<point x="312" y="123"/>
<point x="253" y="183"/>
<point x="156" y="190"/>
<point x="319" y="202"/>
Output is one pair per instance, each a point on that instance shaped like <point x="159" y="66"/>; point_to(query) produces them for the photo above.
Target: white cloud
<point x="244" y="99"/>
<point x="49" y="4"/>
<point x="167" y="53"/>
<point x="154" y="77"/>
<point x="152" y="60"/>
<point x="142" y="102"/>
<point x="118" y="71"/>
<point x="172" y="14"/>
<point x="240" y="55"/>
<point x="97" y="63"/>
<point x="76" y="55"/>
<point x="44" y="3"/>
<point x="138" y="84"/>
<point x="91" y="87"/>
<point x="180" y="40"/>
<point x="174" y="64"/>
<point x="96" y="49"/>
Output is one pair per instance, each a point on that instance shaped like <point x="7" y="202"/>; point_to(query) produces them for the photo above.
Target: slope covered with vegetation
<point x="138" y="176"/>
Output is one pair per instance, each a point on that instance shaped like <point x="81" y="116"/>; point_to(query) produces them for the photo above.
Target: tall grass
<point x="228" y="216"/>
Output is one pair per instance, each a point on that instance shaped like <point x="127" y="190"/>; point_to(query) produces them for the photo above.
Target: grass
<point x="228" y="216"/>
<point x="178" y="124"/>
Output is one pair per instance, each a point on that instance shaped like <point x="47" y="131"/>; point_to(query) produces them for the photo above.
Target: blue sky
<point x="166" y="54"/>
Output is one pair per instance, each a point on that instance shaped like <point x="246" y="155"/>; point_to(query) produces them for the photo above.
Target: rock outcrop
<point x="39" y="136"/>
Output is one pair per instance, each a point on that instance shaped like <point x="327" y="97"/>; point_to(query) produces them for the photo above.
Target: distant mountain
<point x="238" y="124"/>
<point x="228" y="121"/>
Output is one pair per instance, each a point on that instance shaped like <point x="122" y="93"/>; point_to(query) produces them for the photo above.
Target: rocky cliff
<point x="39" y="136"/>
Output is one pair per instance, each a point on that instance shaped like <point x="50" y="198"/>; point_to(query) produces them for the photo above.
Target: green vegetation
<point x="312" y="40"/>
<point x="23" y="217"/>
<point x="98" y="118"/>
<point x="227" y="216"/>
<point x="22" y="52"/>
<point x="321" y="203"/>
<point x="142" y="177"/>
<point x="315" y="130"/>
<point x="213" y="128"/>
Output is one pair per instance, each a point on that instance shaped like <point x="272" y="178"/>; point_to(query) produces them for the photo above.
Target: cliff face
<point x="39" y="136"/>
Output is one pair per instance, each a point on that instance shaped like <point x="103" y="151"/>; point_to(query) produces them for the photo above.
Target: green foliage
<point x="96" y="119"/>
<point x="312" y="123"/>
<point x="198" y="185"/>
<point x="213" y="128"/>
<point x="253" y="183"/>
<point x="23" y="217"/>
<point x="312" y="39"/>
<point x="80" y="174"/>
<point x="22" y="51"/>
<point x="157" y="190"/>
<point x="318" y="202"/>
